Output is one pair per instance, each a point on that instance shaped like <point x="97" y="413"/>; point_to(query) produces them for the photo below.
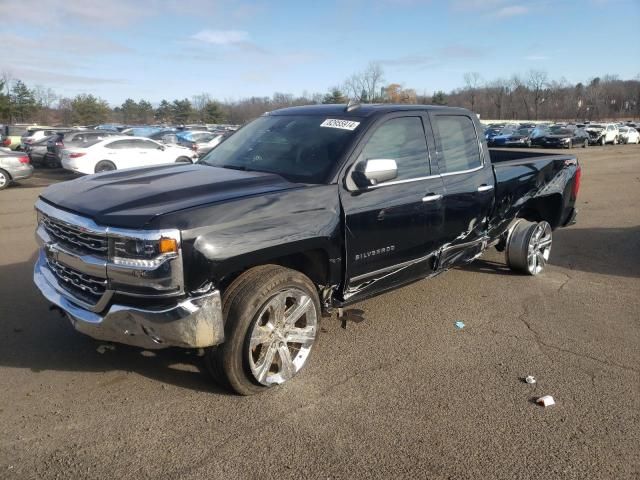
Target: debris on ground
<point x="530" y="379"/>
<point x="103" y="348"/>
<point x="351" y="315"/>
<point x="459" y="325"/>
<point x="546" y="401"/>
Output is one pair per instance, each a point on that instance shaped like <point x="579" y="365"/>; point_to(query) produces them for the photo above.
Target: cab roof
<point x="360" y="111"/>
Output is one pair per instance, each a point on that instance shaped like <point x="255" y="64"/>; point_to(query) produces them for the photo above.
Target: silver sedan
<point x="13" y="166"/>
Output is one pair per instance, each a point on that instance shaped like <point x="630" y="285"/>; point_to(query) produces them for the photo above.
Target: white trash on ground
<point x="530" y="379"/>
<point x="546" y="401"/>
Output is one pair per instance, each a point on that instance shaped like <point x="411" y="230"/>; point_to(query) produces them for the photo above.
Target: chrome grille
<point x="87" y="287"/>
<point x="75" y="237"/>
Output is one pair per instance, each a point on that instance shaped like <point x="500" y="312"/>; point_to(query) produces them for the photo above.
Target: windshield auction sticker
<point x="342" y="124"/>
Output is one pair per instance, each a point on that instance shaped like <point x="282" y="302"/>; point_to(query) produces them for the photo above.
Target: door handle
<point x="432" y="197"/>
<point x="485" y="188"/>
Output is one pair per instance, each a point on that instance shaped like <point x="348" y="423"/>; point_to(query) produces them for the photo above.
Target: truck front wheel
<point x="529" y="247"/>
<point x="271" y="324"/>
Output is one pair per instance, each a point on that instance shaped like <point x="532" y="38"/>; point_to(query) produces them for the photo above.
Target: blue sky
<point x="235" y="48"/>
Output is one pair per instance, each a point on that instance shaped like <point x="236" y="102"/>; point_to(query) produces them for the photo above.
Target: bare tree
<point x="472" y="81"/>
<point x="536" y="81"/>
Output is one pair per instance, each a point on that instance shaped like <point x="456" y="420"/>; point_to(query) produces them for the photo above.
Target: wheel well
<point x="548" y="208"/>
<point x="6" y="173"/>
<point x="312" y="263"/>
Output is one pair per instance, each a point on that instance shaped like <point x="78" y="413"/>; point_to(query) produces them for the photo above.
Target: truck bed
<point x="542" y="182"/>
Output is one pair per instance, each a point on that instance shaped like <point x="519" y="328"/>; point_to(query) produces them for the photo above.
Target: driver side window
<point x="403" y="140"/>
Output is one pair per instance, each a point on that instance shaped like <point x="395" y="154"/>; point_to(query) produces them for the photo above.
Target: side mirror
<point x="374" y="171"/>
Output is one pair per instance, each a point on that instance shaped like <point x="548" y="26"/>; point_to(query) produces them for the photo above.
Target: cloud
<point x="222" y="37"/>
<point x="50" y="77"/>
<point x="511" y="11"/>
<point x="409" y="61"/>
<point x="536" y="58"/>
<point x="461" y="51"/>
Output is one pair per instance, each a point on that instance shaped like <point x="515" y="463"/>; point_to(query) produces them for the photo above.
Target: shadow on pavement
<point x="37" y="338"/>
<point x="43" y="177"/>
<point x="605" y="251"/>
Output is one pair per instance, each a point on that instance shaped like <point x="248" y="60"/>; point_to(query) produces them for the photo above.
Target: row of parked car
<point x="91" y="150"/>
<point x="560" y="135"/>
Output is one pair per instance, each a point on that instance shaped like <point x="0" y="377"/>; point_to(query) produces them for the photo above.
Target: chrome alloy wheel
<point x="282" y="336"/>
<point x="3" y="180"/>
<point x="539" y="248"/>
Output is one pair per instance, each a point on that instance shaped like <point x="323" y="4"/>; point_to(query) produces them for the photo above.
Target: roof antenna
<point x="352" y="105"/>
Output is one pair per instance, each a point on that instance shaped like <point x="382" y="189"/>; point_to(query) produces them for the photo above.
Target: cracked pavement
<point x="402" y="394"/>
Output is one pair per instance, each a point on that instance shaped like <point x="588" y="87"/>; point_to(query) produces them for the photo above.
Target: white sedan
<point x="629" y="135"/>
<point x="115" y="153"/>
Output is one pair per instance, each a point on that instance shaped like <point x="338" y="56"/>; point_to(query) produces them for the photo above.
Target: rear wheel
<point x="585" y="144"/>
<point x="603" y="142"/>
<point x="271" y="324"/>
<point x="615" y="140"/>
<point x="5" y="179"/>
<point x="529" y="247"/>
<point x="104" y="166"/>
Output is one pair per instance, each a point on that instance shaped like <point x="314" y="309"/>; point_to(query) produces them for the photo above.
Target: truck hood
<point x="132" y="198"/>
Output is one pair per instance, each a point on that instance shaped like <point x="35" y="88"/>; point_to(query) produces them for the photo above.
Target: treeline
<point x="531" y="96"/>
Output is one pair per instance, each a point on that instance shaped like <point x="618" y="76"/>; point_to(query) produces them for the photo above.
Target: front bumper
<point x="194" y="322"/>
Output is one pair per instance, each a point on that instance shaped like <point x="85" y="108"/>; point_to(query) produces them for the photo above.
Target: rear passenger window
<point x="401" y="139"/>
<point x="457" y="143"/>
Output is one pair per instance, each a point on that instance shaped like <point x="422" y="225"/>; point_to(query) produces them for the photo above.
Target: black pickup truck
<point x="303" y="210"/>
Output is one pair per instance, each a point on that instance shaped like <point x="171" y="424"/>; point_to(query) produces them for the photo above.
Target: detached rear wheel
<point x="529" y="247"/>
<point x="272" y="322"/>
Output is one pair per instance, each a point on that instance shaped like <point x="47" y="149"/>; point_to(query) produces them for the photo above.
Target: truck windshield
<point x="297" y="147"/>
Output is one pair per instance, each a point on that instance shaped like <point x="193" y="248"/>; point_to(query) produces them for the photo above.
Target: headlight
<point x="144" y="252"/>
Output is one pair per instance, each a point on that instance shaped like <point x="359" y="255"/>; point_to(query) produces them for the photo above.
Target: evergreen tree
<point x="163" y="113"/>
<point x="212" y="113"/>
<point x="439" y="98"/>
<point x="129" y="110"/>
<point x="181" y="111"/>
<point x="23" y="102"/>
<point x="145" y="112"/>
<point x="89" y="110"/>
<point x="335" y="96"/>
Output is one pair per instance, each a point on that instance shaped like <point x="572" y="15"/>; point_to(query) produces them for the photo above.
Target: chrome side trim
<point x="462" y="171"/>
<point x="398" y="182"/>
<point x="391" y="268"/>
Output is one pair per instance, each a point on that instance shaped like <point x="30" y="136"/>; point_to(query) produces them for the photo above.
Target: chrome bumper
<point x="191" y="323"/>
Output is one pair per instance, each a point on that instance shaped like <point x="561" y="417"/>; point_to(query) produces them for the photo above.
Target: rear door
<point x="392" y="228"/>
<point x="468" y="186"/>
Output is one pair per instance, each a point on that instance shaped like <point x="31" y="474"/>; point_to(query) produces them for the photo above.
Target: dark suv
<point x="59" y="141"/>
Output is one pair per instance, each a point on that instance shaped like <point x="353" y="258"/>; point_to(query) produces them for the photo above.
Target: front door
<point x="469" y="186"/>
<point x="393" y="228"/>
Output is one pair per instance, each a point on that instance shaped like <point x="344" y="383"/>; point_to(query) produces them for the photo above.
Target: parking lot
<point x="401" y="394"/>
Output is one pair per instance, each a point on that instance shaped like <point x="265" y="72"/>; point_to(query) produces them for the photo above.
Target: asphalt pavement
<point x="402" y="394"/>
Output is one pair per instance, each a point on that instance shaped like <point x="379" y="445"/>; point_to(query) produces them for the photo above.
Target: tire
<point x="183" y="160"/>
<point x="528" y="143"/>
<point x="585" y="144"/>
<point x="256" y="306"/>
<point x="104" y="166"/>
<point x="603" y="141"/>
<point x="5" y="179"/>
<point x="570" y="144"/>
<point x="529" y="247"/>
<point x="615" y="140"/>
